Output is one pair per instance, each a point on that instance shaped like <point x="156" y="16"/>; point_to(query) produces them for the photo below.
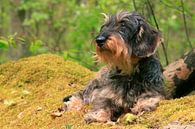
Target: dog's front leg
<point x="104" y="110"/>
<point x="77" y="100"/>
<point x="150" y="81"/>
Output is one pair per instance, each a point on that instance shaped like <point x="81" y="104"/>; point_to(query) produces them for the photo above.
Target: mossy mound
<point x="181" y="110"/>
<point x="32" y="87"/>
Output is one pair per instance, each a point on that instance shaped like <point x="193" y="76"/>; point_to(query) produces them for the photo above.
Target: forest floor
<point x="31" y="88"/>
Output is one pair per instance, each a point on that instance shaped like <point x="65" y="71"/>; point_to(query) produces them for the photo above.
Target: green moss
<point x="32" y="87"/>
<point x="182" y="110"/>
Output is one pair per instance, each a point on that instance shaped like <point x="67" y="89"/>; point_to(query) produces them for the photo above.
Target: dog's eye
<point x="122" y="23"/>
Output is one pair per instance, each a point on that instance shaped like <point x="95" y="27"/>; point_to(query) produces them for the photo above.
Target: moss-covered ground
<point x="32" y="87"/>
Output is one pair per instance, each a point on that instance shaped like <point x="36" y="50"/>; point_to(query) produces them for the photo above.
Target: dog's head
<point x="125" y="37"/>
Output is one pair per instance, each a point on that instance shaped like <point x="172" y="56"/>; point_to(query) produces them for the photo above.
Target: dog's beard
<point x="115" y="53"/>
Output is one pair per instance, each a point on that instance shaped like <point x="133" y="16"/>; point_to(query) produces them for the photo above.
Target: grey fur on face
<point x="134" y="30"/>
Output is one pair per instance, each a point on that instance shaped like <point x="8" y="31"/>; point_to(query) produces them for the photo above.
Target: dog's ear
<point x="145" y="41"/>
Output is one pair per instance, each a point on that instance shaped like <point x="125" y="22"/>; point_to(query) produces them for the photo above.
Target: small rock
<point x="25" y="92"/>
<point x="9" y="103"/>
<point x="128" y="118"/>
<point x="55" y="114"/>
<point x="39" y="108"/>
<point x="177" y="125"/>
<point x="20" y="115"/>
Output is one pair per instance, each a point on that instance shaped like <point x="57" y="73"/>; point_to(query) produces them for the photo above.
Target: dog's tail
<point x="180" y="76"/>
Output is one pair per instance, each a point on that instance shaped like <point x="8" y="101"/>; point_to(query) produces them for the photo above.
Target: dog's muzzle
<point x="100" y="40"/>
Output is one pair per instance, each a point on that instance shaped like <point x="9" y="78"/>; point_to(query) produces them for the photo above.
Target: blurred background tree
<point x="68" y="27"/>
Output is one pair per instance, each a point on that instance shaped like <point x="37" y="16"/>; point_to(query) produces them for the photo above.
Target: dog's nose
<point x="100" y="40"/>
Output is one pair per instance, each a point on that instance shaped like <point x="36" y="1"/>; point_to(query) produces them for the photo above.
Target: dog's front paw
<point x="100" y="115"/>
<point x="74" y="103"/>
<point x="145" y="105"/>
<point x="142" y="109"/>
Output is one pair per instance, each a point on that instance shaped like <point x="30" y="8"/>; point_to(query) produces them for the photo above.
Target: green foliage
<point x="37" y="47"/>
<point x="3" y="44"/>
<point x="6" y="42"/>
<point x="68" y="27"/>
<point x="68" y="126"/>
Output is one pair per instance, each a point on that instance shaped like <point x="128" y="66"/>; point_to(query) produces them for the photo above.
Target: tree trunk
<point x="17" y="18"/>
<point x="1" y="18"/>
<point x="180" y="76"/>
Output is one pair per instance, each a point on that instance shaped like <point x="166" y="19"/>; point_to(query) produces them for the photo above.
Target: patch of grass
<point x="32" y="87"/>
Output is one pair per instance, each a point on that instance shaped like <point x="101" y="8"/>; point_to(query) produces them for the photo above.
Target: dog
<point x="132" y="80"/>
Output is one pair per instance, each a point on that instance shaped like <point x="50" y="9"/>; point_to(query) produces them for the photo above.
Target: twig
<point x="171" y="6"/>
<point x="175" y="7"/>
<point x="134" y="5"/>
<point x="152" y="11"/>
<point x="185" y="24"/>
<point x="163" y="46"/>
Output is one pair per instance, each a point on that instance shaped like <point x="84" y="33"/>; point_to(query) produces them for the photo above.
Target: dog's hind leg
<point x="180" y="76"/>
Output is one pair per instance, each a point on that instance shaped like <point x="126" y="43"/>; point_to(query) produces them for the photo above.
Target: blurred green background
<point x="68" y="27"/>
